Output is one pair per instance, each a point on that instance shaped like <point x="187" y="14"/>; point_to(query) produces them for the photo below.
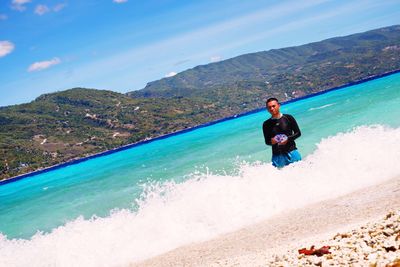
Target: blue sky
<point x="120" y="45"/>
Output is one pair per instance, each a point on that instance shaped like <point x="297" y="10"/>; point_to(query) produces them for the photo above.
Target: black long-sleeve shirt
<point x="284" y="125"/>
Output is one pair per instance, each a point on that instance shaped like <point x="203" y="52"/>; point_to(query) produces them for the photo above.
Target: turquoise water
<point x="96" y="187"/>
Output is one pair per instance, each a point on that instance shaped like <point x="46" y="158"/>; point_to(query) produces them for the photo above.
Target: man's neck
<point x="278" y="116"/>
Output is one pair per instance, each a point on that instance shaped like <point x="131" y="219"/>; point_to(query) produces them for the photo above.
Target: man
<point x="280" y="131"/>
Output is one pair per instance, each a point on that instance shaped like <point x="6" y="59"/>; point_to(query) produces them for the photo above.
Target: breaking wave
<point x="174" y="214"/>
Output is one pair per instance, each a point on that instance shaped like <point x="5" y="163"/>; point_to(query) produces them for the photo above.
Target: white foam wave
<point x="172" y="215"/>
<point x="321" y="107"/>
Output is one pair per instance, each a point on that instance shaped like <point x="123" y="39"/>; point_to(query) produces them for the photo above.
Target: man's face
<point x="273" y="107"/>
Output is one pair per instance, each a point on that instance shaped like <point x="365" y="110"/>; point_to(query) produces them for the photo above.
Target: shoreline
<point x="278" y="238"/>
<point x="145" y="141"/>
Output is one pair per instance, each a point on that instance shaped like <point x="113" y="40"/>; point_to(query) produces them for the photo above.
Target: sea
<point x="144" y="201"/>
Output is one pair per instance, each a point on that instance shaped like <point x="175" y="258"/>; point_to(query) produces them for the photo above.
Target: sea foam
<point x="171" y="214"/>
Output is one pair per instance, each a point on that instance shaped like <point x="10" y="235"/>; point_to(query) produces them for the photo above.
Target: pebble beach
<point x="373" y="244"/>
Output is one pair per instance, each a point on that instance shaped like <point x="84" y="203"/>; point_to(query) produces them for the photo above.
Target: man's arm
<point x="295" y="128"/>
<point x="267" y="135"/>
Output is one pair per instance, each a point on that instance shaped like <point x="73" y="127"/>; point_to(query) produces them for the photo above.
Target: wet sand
<point x="256" y="244"/>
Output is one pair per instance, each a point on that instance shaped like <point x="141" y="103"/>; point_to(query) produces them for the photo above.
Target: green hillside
<point x="286" y="73"/>
<point x="62" y="126"/>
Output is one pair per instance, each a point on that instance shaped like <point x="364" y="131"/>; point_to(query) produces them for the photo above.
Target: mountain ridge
<point x="264" y="66"/>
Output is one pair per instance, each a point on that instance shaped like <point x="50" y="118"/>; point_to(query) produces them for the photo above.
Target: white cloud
<point x="41" y="65"/>
<point x="19" y="4"/>
<point x="3" y="17"/>
<point x="41" y="9"/>
<point x="120" y="1"/>
<point x="180" y="62"/>
<point x="59" y="7"/>
<point x="6" y="47"/>
<point x="215" y="58"/>
<point x="172" y="73"/>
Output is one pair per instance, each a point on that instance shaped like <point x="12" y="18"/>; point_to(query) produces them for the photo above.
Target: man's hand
<point x="280" y="139"/>
<point x="283" y="142"/>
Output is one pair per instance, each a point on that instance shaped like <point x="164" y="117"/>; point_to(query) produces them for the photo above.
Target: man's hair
<point x="271" y="99"/>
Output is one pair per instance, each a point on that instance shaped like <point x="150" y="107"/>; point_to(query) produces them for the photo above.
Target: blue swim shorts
<point x="282" y="160"/>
